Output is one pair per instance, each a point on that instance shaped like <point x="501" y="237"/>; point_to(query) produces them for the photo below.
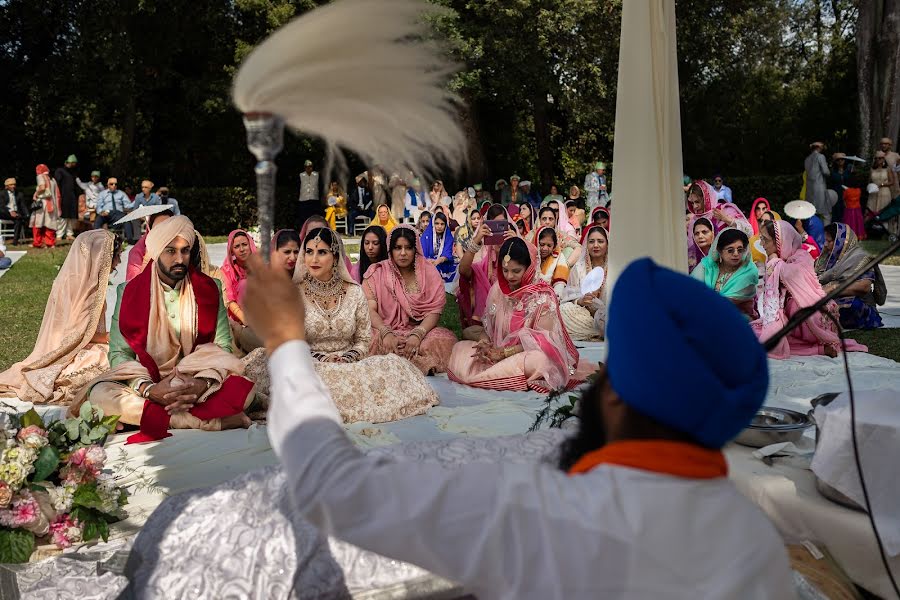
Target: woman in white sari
<point x="72" y="344"/>
<point x="584" y="315"/>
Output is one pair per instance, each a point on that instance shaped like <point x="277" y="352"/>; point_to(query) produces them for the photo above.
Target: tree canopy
<point x="141" y="88"/>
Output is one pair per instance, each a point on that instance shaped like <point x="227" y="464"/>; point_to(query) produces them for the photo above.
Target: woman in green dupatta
<point x="729" y="270"/>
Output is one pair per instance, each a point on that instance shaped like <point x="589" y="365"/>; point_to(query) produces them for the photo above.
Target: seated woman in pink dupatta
<point x="233" y="275"/>
<point x="702" y="204"/>
<point x="477" y="271"/>
<point x="524" y="345"/>
<point x="790" y="285"/>
<point x="406" y="297"/>
<point x="137" y="252"/>
<point x="72" y="344"/>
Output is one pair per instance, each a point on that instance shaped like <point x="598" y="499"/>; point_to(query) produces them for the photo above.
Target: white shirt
<point x="309" y="186"/>
<point x="11" y="201"/>
<point x="521" y="530"/>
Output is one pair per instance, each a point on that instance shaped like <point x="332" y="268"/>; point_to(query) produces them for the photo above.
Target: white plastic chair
<point x="360" y="223"/>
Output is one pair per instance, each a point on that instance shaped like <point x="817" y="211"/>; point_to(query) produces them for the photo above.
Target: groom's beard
<point x="591" y="433"/>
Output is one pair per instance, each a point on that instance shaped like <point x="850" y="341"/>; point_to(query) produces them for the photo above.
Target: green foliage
<point x="46" y="463"/>
<point x="95" y="523"/>
<point x="90" y="428"/>
<point x="32" y="418"/>
<point x="16" y="545"/>
<point x="87" y="496"/>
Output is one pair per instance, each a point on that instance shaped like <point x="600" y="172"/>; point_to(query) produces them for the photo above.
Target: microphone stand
<point x="804" y="313"/>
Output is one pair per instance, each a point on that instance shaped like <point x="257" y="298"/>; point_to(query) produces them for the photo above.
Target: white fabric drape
<point x="647" y="152"/>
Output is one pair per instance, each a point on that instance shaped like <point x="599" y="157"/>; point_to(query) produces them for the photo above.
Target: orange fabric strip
<point x="680" y="459"/>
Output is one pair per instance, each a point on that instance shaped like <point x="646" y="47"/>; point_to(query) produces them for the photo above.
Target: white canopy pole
<point x="648" y="208"/>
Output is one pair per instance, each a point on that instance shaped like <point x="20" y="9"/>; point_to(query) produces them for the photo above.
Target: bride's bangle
<point x="386" y="331"/>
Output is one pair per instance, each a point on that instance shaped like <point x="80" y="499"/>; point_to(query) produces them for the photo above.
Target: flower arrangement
<point x="52" y="484"/>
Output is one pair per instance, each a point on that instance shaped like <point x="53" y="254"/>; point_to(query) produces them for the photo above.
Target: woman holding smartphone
<point x="477" y="277"/>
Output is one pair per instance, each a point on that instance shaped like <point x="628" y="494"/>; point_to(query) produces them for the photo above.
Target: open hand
<point x="273" y="306"/>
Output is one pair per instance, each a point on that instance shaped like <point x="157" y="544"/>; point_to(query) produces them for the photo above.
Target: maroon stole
<point x="134" y="316"/>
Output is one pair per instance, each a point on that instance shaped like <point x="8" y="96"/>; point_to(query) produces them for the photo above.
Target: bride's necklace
<point x="324" y="292"/>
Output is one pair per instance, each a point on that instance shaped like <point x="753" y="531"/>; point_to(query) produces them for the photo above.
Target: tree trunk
<point x="542" y="139"/>
<point x="878" y="71"/>
<point x="476" y="167"/>
<point x="865" y="70"/>
<point x="126" y="144"/>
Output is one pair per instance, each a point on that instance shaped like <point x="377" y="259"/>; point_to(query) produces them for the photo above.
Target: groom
<point x="170" y="347"/>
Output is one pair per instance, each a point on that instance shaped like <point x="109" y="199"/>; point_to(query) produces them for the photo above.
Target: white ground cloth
<point x="14" y="256"/>
<point x="197" y="459"/>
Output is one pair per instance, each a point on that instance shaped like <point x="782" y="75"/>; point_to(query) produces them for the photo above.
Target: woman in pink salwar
<point x="702" y="203"/>
<point x="406" y="297"/>
<point x="790" y="285"/>
<point x="524" y="345"/>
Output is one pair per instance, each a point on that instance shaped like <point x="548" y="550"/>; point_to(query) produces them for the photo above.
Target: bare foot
<point x="831" y="351"/>
<point x="238" y="421"/>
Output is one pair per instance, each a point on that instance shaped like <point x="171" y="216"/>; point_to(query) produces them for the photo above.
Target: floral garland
<point x="52" y="485"/>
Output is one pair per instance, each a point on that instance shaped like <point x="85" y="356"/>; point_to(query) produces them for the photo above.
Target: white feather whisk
<point x="363" y="76"/>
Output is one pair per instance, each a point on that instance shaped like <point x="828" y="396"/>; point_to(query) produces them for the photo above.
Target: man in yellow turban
<point x="170" y="346"/>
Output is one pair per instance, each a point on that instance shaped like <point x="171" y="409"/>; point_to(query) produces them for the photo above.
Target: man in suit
<point x="360" y="199"/>
<point x="13" y="208"/>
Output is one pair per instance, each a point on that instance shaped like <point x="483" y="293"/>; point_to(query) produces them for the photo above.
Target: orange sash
<point x="680" y="459"/>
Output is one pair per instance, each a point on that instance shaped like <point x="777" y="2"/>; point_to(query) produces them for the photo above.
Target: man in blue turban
<point x="642" y="507"/>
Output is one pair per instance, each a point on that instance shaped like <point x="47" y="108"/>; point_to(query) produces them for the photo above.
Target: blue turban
<point x="683" y="355"/>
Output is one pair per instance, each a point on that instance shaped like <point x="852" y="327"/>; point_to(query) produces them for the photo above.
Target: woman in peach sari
<point x="406" y="297"/>
<point x="524" y="345"/>
<point x="73" y="341"/>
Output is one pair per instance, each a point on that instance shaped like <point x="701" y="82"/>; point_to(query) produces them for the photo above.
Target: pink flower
<point x="77" y="457"/>
<point x="65" y="531"/>
<point x="32" y="437"/>
<point x="5" y="494"/>
<point x="83" y="465"/>
<point x="95" y="457"/>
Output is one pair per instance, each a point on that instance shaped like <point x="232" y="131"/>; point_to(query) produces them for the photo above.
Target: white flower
<point x="62" y="497"/>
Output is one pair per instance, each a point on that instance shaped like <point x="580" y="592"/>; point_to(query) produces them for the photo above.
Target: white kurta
<point x="522" y="531"/>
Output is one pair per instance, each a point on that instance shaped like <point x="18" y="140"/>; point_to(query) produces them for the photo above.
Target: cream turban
<point x="164" y="232"/>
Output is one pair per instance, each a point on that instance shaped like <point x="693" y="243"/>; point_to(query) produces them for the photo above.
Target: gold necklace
<point x="322" y="292"/>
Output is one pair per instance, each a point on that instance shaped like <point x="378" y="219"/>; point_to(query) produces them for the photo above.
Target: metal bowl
<point x="773" y="425"/>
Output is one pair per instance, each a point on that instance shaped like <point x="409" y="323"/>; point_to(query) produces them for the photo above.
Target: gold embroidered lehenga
<point x="364" y="388"/>
<point x="71" y="346"/>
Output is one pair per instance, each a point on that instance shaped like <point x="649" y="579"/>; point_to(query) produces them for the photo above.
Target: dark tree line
<point x="140" y="88"/>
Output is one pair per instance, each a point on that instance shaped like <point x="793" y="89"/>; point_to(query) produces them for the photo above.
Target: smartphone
<point x="498" y="228"/>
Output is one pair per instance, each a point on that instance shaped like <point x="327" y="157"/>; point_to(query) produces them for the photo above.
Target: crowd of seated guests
<point x="521" y="278"/>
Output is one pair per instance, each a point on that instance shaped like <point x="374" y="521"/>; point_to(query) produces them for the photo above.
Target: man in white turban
<point x="170" y="346"/>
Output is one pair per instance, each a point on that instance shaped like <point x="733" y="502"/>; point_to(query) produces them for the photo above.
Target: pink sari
<point x="473" y="290"/>
<point x="530" y="317"/>
<point x="403" y="310"/>
<point x="791" y="284"/>
<point x="695" y="255"/>
<point x="233" y="275"/>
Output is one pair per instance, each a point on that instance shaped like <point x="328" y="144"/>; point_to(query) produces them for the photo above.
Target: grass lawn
<point x="24" y="290"/>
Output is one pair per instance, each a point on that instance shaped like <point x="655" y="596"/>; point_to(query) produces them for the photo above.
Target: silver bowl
<point x="773" y="425"/>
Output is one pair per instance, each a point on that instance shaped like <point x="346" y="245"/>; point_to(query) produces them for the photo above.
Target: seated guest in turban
<point x="170" y="347"/>
<point x="72" y="344"/>
<point x="640" y="506"/>
<point x="728" y="269"/>
<point x="791" y="284"/>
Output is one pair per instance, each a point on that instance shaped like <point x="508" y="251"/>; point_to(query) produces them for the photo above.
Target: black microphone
<point x="804" y="313"/>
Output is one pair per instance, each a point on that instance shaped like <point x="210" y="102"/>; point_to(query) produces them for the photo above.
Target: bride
<point x="364" y="388"/>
